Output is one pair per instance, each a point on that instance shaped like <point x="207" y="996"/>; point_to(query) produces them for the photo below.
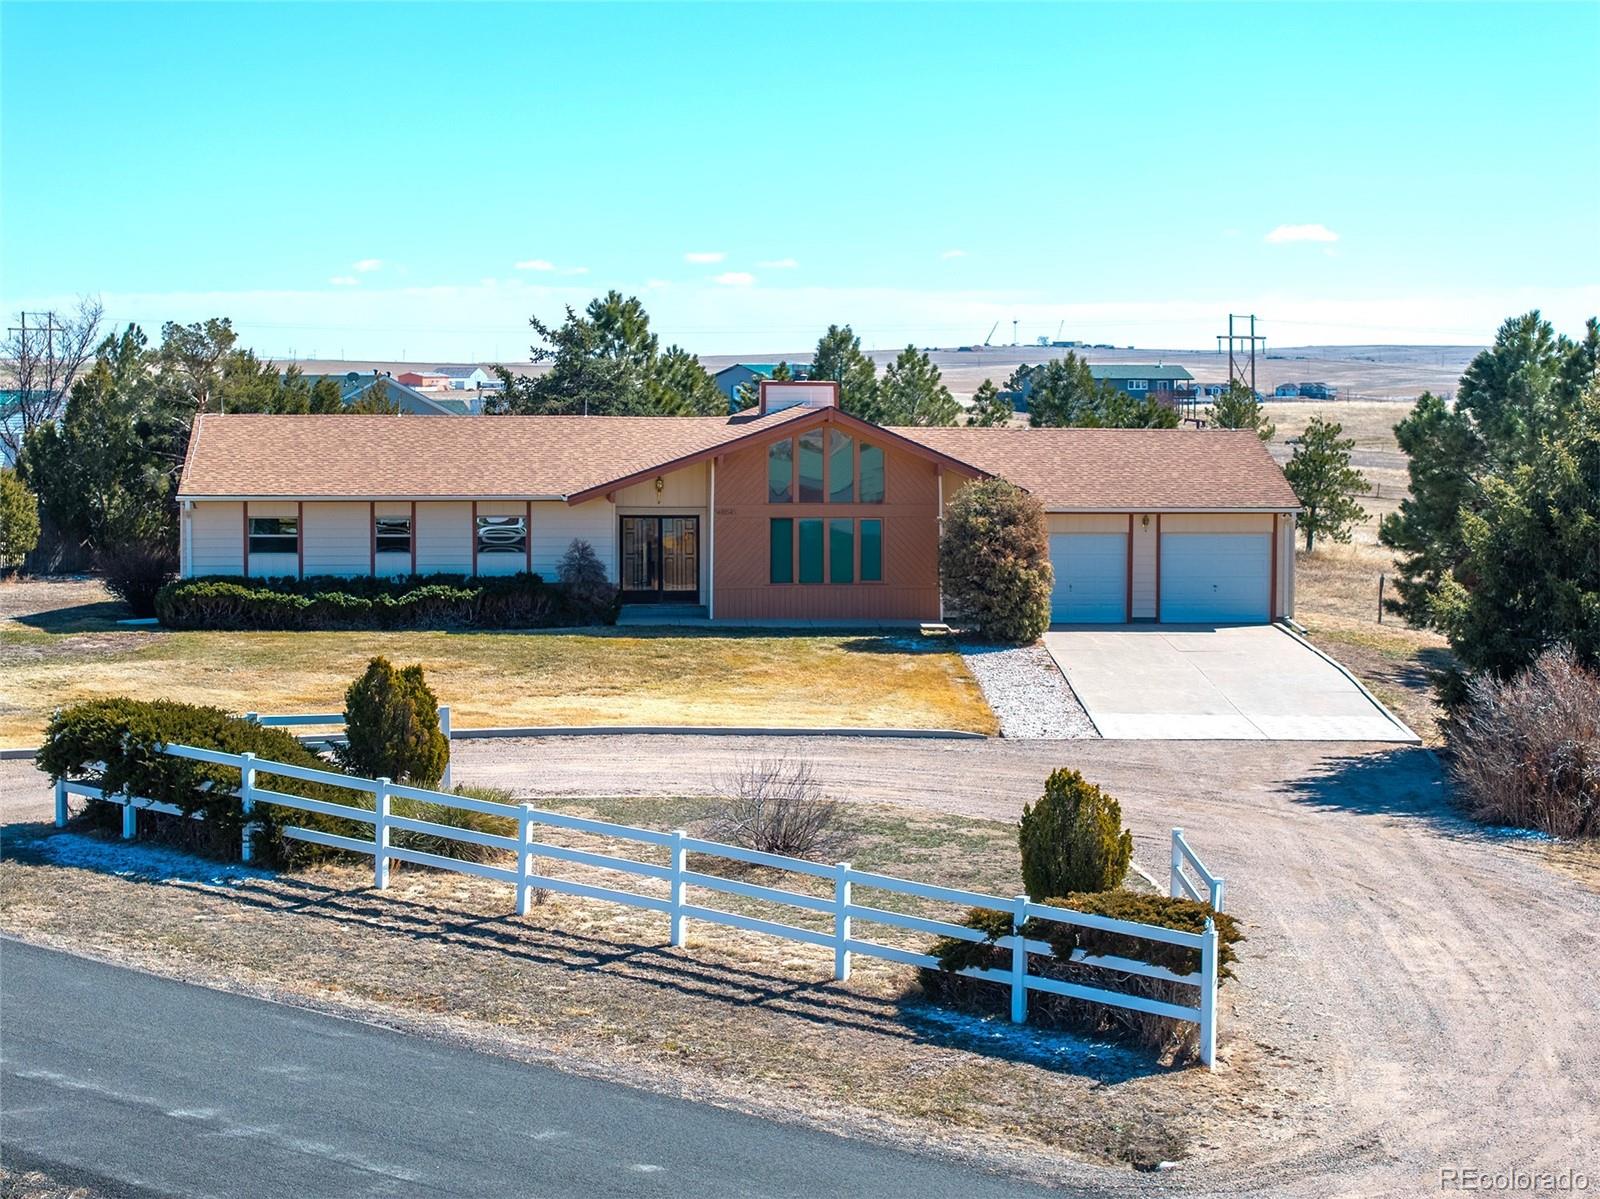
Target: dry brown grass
<point x="1369" y="422"/>
<point x="62" y="645"/>
<point x="733" y="1017"/>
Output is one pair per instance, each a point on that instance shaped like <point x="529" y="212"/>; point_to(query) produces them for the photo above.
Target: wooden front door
<point x="661" y="559"/>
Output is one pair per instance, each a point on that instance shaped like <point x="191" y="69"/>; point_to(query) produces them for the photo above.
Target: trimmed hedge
<point x="115" y="744"/>
<point x="519" y="601"/>
<point x="1175" y="1037"/>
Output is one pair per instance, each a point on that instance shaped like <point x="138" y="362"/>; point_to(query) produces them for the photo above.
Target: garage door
<point x="1215" y="578"/>
<point x="1091" y="578"/>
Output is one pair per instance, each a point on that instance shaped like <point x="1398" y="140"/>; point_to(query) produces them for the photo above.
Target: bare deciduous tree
<point x="777" y="805"/>
<point x="39" y="359"/>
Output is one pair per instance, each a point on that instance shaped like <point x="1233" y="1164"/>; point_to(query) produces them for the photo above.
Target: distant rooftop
<point x="1137" y="370"/>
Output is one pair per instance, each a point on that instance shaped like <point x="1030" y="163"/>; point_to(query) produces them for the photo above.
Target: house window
<point x="502" y="535"/>
<point x="274" y="535"/>
<point x="811" y="551"/>
<point x="781" y="550"/>
<point x="841" y="467"/>
<point x="872" y="551"/>
<point x="1138" y="384"/>
<point x="811" y="467"/>
<point x="780" y="471"/>
<point x="841" y="551"/>
<point x="391" y="534"/>
<point x="871" y="474"/>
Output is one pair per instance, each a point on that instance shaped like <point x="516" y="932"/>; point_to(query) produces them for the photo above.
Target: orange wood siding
<point x="910" y="587"/>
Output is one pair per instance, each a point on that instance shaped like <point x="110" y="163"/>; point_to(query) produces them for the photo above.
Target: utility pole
<point x="1242" y="350"/>
<point x="1013" y="332"/>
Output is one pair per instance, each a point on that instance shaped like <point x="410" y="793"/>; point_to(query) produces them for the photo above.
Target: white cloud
<point x="779" y="264"/>
<point x="344" y="281"/>
<point x="734" y="278"/>
<point x="574" y="270"/>
<point x="1289" y="233"/>
<point x="953" y="254"/>
<point x="536" y="264"/>
<point x="703" y="256"/>
<point x="367" y="265"/>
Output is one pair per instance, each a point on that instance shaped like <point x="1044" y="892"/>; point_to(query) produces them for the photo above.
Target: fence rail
<point x="1181" y="887"/>
<point x="681" y="906"/>
<point x="311" y="719"/>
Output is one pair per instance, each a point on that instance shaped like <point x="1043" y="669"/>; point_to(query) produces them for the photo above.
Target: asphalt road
<point x="134" y="1085"/>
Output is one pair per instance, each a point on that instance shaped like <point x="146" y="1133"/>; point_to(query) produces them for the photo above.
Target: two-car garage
<point x="1175" y="568"/>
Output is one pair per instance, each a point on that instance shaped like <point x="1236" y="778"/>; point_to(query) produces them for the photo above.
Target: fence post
<point x="61" y="803"/>
<point x="841" y="921"/>
<point x="524" y="860"/>
<point x="130" y="817"/>
<point x="247" y="801"/>
<point x="444" y="727"/>
<point x="1216" y="894"/>
<point x="680" y="863"/>
<point x="1019" y="960"/>
<point x="1208" y="995"/>
<point x="253" y="717"/>
<point x="1175" y="882"/>
<point x="380" y="835"/>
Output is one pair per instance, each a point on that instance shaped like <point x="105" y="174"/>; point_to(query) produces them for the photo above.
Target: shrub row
<point x="1174" y="1037"/>
<point x="520" y="601"/>
<point x="116" y="744"/>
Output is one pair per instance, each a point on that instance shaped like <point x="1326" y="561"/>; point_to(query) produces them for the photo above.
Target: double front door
<point x="661" y="559"/>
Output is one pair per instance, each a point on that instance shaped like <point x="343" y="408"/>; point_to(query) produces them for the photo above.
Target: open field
<point x="61" y="644"/>
<point x="737" y="1018"/>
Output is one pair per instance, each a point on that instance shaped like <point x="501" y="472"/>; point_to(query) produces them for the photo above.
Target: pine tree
<point x="989" y="407"/>
<point x="839" y="358"/>
<point x="913" y="393"/>
<point x="1322" y="478"/>
<point x="1238" y="408"/>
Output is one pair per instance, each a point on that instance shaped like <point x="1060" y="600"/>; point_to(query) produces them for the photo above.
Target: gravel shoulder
<point x="1027" y="692"/>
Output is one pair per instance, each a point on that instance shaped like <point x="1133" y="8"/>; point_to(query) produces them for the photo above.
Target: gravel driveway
<point x="1433" y="987"/>
<point x="1428" y="990"/>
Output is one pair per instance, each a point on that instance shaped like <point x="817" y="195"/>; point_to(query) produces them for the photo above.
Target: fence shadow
<point x="629" y="958"/>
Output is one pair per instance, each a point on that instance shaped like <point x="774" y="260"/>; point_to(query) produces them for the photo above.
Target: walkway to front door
<point x="660" y="559"/>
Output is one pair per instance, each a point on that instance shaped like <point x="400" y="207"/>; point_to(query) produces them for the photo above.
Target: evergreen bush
<point x="994" y="561"/>
<point x="392" y="726"/>
<point x="1072" y="839"/>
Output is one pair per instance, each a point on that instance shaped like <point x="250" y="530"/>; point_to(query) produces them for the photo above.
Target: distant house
<point x="1141" y="378"/>
<point x="730" y="378"/>
<point x="1287" y="390"/>
<point x="1318" y="391"/>
<point x="424" y="378"/>
<point x="352" y="384"/>
<point x="466" y="378"/>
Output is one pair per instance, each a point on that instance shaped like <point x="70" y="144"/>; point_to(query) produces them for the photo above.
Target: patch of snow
<point x="996" y="1034"/>
<point x="1027" y="691"/>
<point x="129" y="859"/>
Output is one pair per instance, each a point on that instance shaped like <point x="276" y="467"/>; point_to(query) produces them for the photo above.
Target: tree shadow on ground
<point x="534" y="943"/>
<point x="100" y="617"/>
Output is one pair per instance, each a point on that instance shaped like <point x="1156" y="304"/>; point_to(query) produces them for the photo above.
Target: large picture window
<point x="780" y="472"/>
<point x="841" y="467"/>
<point x="781" y="550"/>
<point x="872" y="551"/>
<point x="502" y="535"/>
<point x="391" y="534"/>
<point x="810" y="551"/>
<point x="274" y="535"/>
<point x="871" y="474"/>
<point x="811" y="466"/>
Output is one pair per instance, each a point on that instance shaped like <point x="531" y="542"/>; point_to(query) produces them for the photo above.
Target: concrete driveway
<point x="1216" y="682"/>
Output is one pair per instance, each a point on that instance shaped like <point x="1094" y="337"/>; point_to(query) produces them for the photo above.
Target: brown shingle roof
<point x="373" y="457"/>
<point x="1124" y="469"/>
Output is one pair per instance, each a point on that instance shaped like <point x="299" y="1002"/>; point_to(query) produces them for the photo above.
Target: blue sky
<point x="378" y="181"/>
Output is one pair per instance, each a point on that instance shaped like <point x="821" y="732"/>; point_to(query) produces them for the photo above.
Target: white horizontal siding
<point x="216" y="539"/>
<point x="556" y="526"/>
<point x="444" y="536"/>
<point x="338" y="538"/>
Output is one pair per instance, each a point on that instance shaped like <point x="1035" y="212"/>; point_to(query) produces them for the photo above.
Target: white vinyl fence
<point x="681" y="905"/>
<point x="327" y="719"/>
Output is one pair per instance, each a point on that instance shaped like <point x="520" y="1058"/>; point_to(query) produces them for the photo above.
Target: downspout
<point x="938" y="475"/>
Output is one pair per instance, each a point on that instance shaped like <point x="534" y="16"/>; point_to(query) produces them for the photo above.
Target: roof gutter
<point x="398" y="498"/>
